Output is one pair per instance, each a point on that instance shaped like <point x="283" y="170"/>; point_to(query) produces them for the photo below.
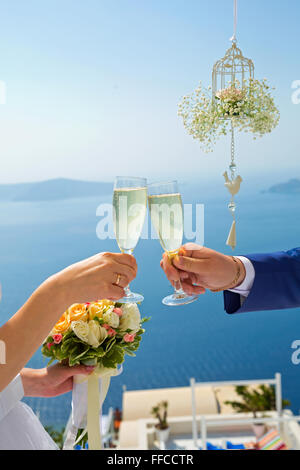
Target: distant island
<point x="290" y="187"/>
<point x="54" y="189"/>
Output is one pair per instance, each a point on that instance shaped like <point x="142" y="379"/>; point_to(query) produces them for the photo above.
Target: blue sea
<point x="199" y="340"/>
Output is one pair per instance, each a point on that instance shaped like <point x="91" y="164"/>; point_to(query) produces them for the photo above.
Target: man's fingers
<point x="191" y="265"/>
<point x="190" y="289"/>
<point x="189" y="277"/>
<point x="195" y="251"/>
<point x="184" y="274"/>
<point x="171" y="272"/>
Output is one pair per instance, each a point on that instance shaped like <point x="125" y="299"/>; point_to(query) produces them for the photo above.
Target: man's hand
<point x="51" y="381"/>
<point x="199" y="268"/>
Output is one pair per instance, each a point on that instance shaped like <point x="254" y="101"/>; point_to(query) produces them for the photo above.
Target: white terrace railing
<point x="237" y="422"/>
<point x="202" y="422"/>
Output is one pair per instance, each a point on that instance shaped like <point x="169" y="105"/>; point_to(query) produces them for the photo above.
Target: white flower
<point x="89" y="332"/>
<point x="111" y="318"/>
<point x="97" y="334"/>
<point x="131" y="318"/>
<point x="249" y="109"/>
<point x="81" y="330"/>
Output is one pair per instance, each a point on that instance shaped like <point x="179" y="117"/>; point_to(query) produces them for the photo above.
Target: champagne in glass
<point x="129" y="211"/>
<point x="166" y="212"/>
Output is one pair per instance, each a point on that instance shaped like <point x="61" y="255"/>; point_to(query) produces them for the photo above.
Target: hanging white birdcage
<point x="236" y="101"/>
<point x="231" y="77"/>
<point x="232" y="70"/>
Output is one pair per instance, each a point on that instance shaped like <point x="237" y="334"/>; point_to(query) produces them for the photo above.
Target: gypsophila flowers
<point x="250" y="108"/>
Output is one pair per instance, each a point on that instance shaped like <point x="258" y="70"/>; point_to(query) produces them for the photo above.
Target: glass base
<point x="131" y="298"/>
<point x="177" y="299"/>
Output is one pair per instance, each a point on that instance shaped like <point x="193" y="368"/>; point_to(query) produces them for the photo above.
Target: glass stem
<point x="127" y="288"/>
<point x="127" y="291"/>
<point x="178" y="288"/>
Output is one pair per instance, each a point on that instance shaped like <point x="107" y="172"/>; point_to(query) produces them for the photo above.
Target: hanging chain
<point x="232" y="168"/>
<point x="232" y="165"/>
<point x="233" y="38"/>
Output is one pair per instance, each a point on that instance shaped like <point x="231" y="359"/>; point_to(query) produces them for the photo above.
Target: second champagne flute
<point x="129" y="211"/>
<point x="166" y="212"/>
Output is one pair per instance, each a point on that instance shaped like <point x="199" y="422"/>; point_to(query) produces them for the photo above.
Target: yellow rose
<point x="62" y="325"/>
<point x="96" y="309"/>
<point x="77" y="312"/>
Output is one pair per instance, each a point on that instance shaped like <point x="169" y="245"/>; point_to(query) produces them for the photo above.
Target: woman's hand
<point x="51" y="381"/>
<point x="102" y="276"/>
<point x="199" y="268"/>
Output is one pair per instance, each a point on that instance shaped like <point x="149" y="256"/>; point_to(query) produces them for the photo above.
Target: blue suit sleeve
<point x="276" y="285"/>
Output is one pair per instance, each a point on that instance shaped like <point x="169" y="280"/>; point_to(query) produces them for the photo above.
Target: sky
<point x="93" y="86"/>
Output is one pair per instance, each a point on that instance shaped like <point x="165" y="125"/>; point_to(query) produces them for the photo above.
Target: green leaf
<point x="109" y="344"/>
<point x="129" y="352"/>
<point x="82" y="354"/>
<point x="114" y="357"/>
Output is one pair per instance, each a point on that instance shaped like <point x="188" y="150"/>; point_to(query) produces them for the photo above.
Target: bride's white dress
<point x="20" y="429"/>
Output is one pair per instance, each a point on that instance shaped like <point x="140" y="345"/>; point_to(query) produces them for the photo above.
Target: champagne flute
<point x="129" y="211"/>
<point x="166" y="212"/>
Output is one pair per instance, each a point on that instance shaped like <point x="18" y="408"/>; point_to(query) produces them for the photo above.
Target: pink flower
<point x="111" y="332"/>
<point x="57" y="338"/>
<point x="231" y="94"/>
<point x="118" y="311"/>
<point x="49" y="345"/>
<point x="129" y="338"/>
<point x="106" y="326"/>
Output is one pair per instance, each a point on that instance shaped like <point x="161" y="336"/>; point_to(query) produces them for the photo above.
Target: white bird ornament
<point x="233" y="185"/>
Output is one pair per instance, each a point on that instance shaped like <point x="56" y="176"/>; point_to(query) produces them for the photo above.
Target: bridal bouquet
<point x="94" y="333"/>
<point x="97" y="333"/>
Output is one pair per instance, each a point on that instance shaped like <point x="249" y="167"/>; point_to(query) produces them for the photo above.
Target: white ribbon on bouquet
<point x="88" y="395"/>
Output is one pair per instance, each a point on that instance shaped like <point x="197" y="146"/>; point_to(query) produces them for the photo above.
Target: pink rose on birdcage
<point x="231" y="93"/>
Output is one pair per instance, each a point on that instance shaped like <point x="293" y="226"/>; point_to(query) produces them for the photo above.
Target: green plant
<point x="57" y="436"/>
<point x="255" y="400"/>
<point x="160" y="412"/>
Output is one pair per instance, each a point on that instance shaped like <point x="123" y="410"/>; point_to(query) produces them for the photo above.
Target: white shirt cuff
<point x="10" y="396"/>
<point x="246" y="286"/>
